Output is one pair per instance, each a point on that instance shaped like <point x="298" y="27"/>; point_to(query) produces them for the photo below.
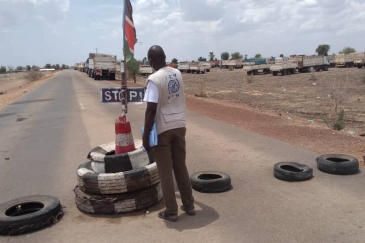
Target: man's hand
<point x="146" y="144"/>
<point x="149" y="119"/>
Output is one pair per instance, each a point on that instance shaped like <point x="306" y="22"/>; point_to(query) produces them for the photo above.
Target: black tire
<point x="325" y="68"/>
<point x="338" y="164"/>
<point x="28" y="214"/>
<point x="210" y="181"/>
<point x="283" y="72"/>
<point x="275" y="73"/>
<point x="118" y="203"/>
<point x="292" y="171"/>
<point x="114" y="183"/>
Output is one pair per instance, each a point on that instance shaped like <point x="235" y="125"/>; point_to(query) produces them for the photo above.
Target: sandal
<point x="168" y="216"/>
<point x="190" y="212"/>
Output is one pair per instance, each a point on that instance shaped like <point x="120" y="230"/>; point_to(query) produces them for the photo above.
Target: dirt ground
<point x="13" y="89"/>
<point x="288" y="108"/>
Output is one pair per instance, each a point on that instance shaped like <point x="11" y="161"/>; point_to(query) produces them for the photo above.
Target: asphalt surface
<point x="47" y="134"/>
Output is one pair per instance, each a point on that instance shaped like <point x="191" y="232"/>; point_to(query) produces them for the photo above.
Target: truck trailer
<point x="359" y="60"/>
<point x="305" y="63"/>
<point x="345" y="60"/>
<point x="234" y="63"/>
<point x="284" y="65"/>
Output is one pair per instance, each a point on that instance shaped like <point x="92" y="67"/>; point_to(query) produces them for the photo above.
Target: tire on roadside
<point x="114" y="183"/>
<point x="292" y="171"/>
<point x="28" y="214"/>
<point x="210" y="181"/>
<point x="118" y="203"/>
<point x="338" y="164"/>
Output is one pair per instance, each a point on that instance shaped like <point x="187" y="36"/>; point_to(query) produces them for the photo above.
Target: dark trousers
<point x="170" y="155"/>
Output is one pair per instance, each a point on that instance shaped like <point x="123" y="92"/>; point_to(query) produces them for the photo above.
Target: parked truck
<point x="345" y="60"/>
<point x="234" y="63"/>
<point x="206" y="65"/>
<point x="76" y="66"/>
<point x="196" y="67"/>
<point x="305" y="63"/>
<point x="332" y="60"/>
<point x="145" y="70"/>
<point x="284" y="65"/>
<point x="104" y="66"/>
<point x="254" y="66"/>
<point x="183" y="67"/>
<point x="81" y="66"/>
<point x="359" y="60"/>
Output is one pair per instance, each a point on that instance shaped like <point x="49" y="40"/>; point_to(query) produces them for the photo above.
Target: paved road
<point x="47" y="134"/>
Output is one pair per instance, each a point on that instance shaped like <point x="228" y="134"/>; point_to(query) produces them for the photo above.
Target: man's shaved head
<point x="156" y="57"/>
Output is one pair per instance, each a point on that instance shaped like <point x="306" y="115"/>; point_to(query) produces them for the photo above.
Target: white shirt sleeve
<point x="151" y="94"/>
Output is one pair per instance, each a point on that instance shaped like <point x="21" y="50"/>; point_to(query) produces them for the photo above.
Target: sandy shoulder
<point x="15" y="93"/>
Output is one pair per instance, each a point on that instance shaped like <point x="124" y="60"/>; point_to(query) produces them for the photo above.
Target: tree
<point x="322" y="50"/>
<point x="19" y="68"/>
<point x="211" y="56"/>
<point x="347" y="50"/>
<point x="64" y="66"/>
<point x="144" y="60"/>
<point x="236" y="55"/>
<point x="225" y="56"/>
<point x="202" y="59"/>
<point x="35" y="68"/>
<point x="57" y="67"/>
<point x="28" y="67"/>
<point x="174" y="60"/>
<point x="10" y="69"/>
<point x="281" y="55"/>
<point x="2" y="69"/>
<point x="258" y="55"/>
<point x="48" y="66"/>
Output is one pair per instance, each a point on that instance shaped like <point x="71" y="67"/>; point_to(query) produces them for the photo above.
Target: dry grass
<point x="335" y="119"/>
<point x="202" y="84"/>
<point x="33" y="76"/>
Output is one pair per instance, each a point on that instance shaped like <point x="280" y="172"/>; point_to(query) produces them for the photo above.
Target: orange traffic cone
<point x="124" y="142"/>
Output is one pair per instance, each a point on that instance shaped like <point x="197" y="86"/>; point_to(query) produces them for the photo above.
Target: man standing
<point x="166" y="107"/>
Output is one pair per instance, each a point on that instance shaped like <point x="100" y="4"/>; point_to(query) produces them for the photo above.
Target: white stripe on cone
<point x="124" y="139"/>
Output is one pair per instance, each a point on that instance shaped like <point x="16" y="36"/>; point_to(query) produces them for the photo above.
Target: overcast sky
<point x="65" y="31"/>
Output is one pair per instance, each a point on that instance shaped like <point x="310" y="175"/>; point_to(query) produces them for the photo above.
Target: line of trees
<point x="322" y="50"/>
<point x="4" y="69"/>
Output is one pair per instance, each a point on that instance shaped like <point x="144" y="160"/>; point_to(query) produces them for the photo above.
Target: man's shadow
<point x="205" y="215"/>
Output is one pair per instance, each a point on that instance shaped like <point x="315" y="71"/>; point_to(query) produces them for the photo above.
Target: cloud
<point x="15" y="12"/>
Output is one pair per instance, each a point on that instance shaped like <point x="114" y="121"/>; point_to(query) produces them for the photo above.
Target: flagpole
<point x="123" y="74"/>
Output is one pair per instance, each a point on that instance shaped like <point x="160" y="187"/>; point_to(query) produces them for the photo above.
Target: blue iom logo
<point x="174" y="86"/>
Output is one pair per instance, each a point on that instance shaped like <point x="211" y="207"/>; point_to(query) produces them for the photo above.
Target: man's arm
<point x="148" y="123"/>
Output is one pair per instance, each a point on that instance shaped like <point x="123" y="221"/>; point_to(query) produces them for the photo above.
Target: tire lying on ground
<point x="27" y="214"/>
<point x="113" y="183"/>
<point x="210" y="181"/>
<point x="339" y="164"/>
<point x="292" y="171"/>
<point x="118" y="203"/>
<point x="104" y="159"/>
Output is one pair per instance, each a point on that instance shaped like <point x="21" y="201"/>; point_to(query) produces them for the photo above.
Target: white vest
<point x="171" y="102"/>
